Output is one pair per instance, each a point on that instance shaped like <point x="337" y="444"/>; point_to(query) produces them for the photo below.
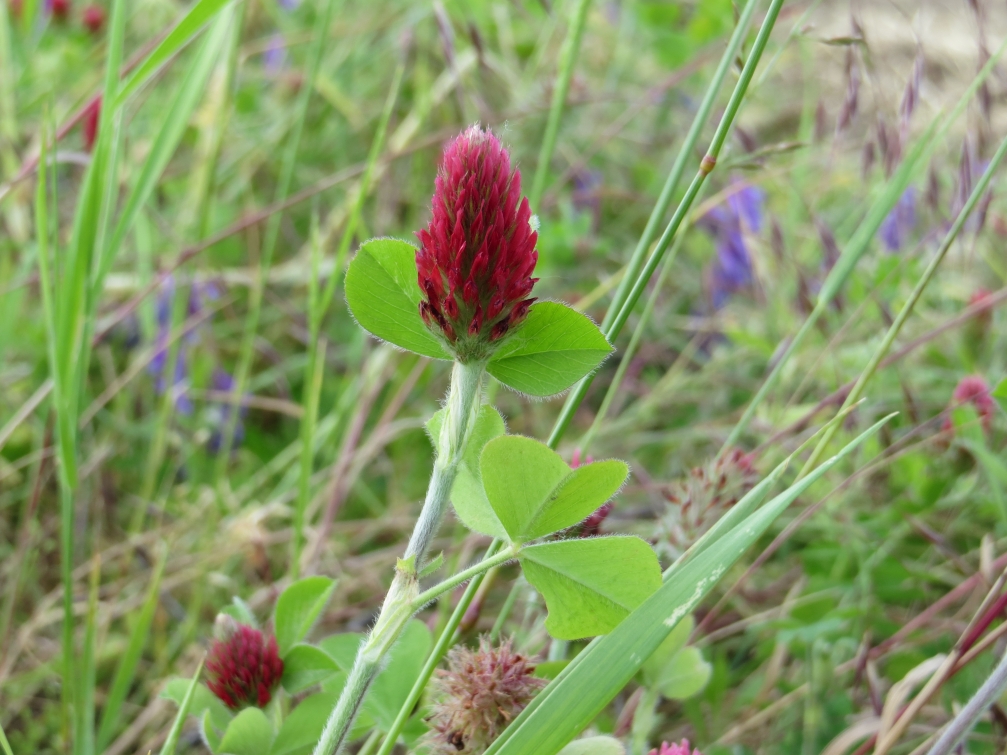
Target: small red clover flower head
<point x="675" y="749"/>
<point x="60" y="9"/>
<point x="93" y="17"/>
<point x="477" y="255"/>
<point x="973" y="390"/>
<point x="244" y="668"/>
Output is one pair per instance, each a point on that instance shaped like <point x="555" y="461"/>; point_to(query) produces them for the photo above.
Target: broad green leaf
<point x="583" y="689"/>
<point x="203" y="701"/>
<point x="577" y="496"/>
<point x="673" y="643"/>
<point x="685" y="676"/>
<point x="209" y="733"/>
<point x="546" y="495"/>
<point x="518" y="475"/>
<point x="550" y="351"/>
<point x="1000" y="394"/>
<point x="391" y="688"/>
<point x="594" y="746"/>
<point x="305" y="666"/>
<point x="467" y="494"/>
<point x="591" y="584"/>
<point x="187" y="28"/>
<point x="550" y="669"/>
<point x="297" y="609"/>
<point x="342" y="648"/>
<point x="250" y="733"/>
<point x="384" y="296"/>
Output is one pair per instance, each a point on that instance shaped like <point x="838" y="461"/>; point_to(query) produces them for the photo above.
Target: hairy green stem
<point x="462" y="577"/>
<point x="401" y="602"/>
<point x="444" y="641"/>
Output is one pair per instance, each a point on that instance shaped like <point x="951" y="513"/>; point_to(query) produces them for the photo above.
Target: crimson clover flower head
<point x="681" y="748"/>
<point x="477" y="255"/>
<point x="974" y="390"/>
<point x="93" y="18"/>
<point x="244" y="667"/>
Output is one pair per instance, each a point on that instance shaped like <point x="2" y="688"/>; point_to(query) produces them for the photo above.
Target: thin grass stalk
<point x="706" y="167"/>
<point x="168" y="748"/>
<point x="8" y="111"/>
<point x="83" y="743"/>
<point x="4" y="744"/>
<point x="444" y="642"/>
<point x="257" y="292"/>
<point x="567" y="63"/>
<point x="125" y="673"/>
<point x="861" y="240"/>
<point x="682" y="159"/>
<point x="907" y="308"/>
<point x="318" y="305"/>
<point x="980" y="702"/>
<point x="634" y="343"/>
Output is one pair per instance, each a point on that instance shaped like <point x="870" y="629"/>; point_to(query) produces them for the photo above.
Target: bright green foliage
<point x="305" y="666"/>
<point x="587" y="685"/>
<point x="392" y="686"/>
<point x="550" y="351"/>
<point x="192" y="687"/>
<point x="384" y="297"/>
<point x="298" y="608"/>
<point x="594" y="746"/>
<point x="250" y="733"/>
<point x="301" y="728"/>
<point x="590" y="585"/>
<point x="203" y="702"/>
<point x="676" y="671"/>
<point x="534" y="493"/>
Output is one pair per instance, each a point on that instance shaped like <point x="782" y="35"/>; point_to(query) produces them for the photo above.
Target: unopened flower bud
<point x="244" y="668"/>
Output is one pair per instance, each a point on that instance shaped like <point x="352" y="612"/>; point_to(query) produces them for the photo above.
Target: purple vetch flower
<point x="219" y="413"/>
<point x="900" y="221"/>
<point x="728" y="223"/>
<point x="274" y="59"/>
<point x="290" y="4"/>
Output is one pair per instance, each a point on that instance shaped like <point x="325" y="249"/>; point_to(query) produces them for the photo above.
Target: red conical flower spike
<point x="477" y="256"/>
<point x="93" y="17"/>
<point x="244" y="668"/>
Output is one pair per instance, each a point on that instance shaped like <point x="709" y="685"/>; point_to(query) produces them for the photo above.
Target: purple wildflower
<point x="289" y="4"/>
<point x="274" y="59"/>
<point x="900" y="221"/>
<point x="220" y="413"/>
<point x="728" y="223"/>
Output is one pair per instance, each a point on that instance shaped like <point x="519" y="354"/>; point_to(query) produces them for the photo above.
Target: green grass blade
<point x="706" y="166"/>
<point x="596" y="676"/>
<point x="862" y="240"/>
<point x="176" y="120"/>
<point x="83" y="742"/>
<point x="272" y="233"/>
<point x="183" y="710"/>
<point x="185" y="30"/>
<point x="4" y="744"/>
<point x="895" y="328"/>
<point x="567" y="62"/>
<point x="681" y="161"/>
<point x="125" y="674"/>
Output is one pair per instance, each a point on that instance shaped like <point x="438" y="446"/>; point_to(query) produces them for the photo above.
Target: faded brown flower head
<point x="697" y="501"/>
<point x="477" y="696"/>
